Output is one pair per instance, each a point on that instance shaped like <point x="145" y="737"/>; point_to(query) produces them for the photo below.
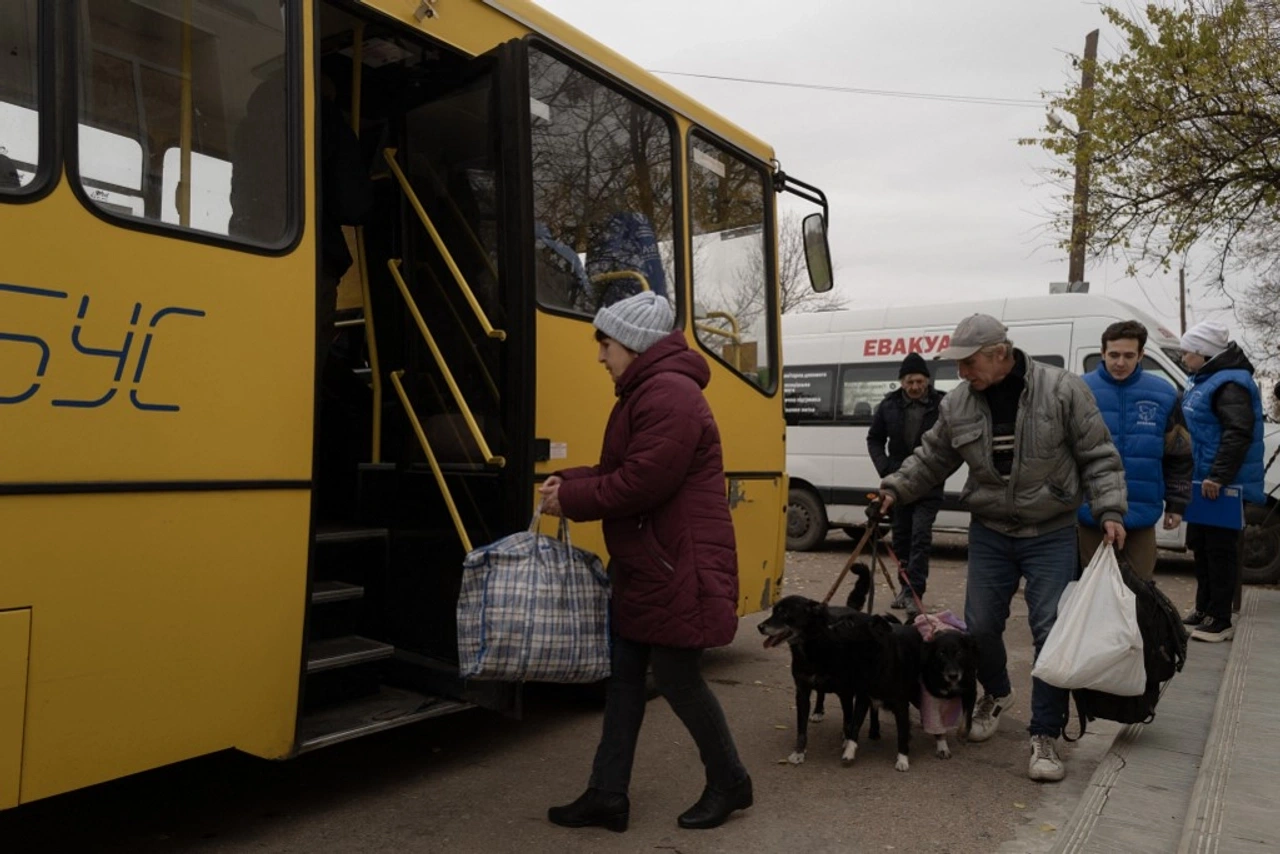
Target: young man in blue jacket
<point x="1144" y="415"/>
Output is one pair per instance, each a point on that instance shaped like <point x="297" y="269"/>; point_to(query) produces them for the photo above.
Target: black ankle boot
<point x="715" y="805"/>
<point x="594" y="807"/>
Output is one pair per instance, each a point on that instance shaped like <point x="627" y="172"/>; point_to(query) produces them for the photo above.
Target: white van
<point x="838" y="365"/>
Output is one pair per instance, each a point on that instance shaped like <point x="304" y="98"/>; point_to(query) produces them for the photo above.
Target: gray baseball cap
<point x="974" y="332"/>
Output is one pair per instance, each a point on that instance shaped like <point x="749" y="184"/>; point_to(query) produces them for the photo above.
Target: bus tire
<point x="806" y="520"/>
<point x="1260" y="555"/>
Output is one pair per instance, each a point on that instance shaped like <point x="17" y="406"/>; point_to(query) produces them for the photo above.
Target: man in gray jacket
<point x="1034" y="442"/>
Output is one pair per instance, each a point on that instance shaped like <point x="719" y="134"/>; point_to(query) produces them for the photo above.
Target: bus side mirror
<point x="817" y="254"/>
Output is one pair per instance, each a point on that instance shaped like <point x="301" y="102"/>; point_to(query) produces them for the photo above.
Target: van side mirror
<point x="817" y="254"/>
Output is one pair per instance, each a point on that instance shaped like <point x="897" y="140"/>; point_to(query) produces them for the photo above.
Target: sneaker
<point x="900" y="601"/>
<point x="1045" y="765"/>
<point x="912" y="610"/>
<point x="1194" y="617"/>
<point x="986" y="715"/>
<point x="1214" y="631"/>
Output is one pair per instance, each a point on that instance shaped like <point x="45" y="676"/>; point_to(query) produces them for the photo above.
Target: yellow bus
<point x="295" y="305"/>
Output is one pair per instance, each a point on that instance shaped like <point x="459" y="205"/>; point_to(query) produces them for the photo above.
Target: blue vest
<point x="1206" y="430"/>
<point x="1136" y="411"/>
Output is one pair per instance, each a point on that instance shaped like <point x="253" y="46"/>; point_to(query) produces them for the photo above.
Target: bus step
<point x="334" y="591"/>
<point x="345" y="651"/>
<point x="350" y="535"/>
<point x="387" y="709"/>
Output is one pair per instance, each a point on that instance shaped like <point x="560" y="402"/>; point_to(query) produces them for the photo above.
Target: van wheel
<point x="1260" y="558"/>
<point x="806" y="520"/>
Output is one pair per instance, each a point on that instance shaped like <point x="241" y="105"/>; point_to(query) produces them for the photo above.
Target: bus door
<point x="425" y="397"/>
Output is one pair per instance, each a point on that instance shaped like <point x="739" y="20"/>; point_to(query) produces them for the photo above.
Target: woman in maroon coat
<point x="660" y="491"/>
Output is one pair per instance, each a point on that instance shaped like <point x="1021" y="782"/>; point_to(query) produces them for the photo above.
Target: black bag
<point x="1164" y="650"/>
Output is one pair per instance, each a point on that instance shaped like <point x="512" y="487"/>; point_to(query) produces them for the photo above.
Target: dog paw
<point x="902" y="764"/>
<point x="941" y="749"/>
<point x="796" y="758"/>
<point x="817" y="717"/>
<point x="849" y="752"/>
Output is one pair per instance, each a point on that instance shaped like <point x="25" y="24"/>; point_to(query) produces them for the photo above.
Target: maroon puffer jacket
<point x="660" y="489"/>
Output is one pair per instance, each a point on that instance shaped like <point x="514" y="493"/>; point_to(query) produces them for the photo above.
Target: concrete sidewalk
<point x="1201" y="776"/>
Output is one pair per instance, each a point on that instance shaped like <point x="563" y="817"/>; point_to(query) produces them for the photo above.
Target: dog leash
<point x="873" y="523"/>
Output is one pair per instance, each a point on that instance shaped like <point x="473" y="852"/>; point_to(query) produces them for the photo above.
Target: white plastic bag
<point x="1095" y="642"/>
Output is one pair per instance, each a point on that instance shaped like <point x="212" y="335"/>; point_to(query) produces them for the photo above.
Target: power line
<point x="854" y="90"/>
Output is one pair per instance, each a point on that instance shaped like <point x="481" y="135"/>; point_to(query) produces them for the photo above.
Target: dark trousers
<point x="913" y="538"/>
<point x="677" y="674"/>
<point x="1217" y="553"/>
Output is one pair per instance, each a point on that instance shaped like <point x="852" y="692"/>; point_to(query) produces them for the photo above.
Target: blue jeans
<point x="913" y="538"/>
<point x="996" y="564"/>
<point x="679" y="679"/>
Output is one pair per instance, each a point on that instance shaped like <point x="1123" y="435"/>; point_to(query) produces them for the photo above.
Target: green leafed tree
<point x="1181" y="136"/>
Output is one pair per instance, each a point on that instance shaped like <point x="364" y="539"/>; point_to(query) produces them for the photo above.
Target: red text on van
<point x="902" y="346"/>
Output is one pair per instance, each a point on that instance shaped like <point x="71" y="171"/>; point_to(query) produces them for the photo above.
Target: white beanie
<point x="1208" y="338"/>
<point x="637" y="322"/>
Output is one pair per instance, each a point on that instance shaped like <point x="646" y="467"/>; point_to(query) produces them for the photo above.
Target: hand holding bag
<point x="1095" y="642"/>
<point x="534" y="609"/>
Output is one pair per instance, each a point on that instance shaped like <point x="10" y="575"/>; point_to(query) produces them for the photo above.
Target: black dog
<point x="949" y="669"/>
<point x="894" y="661"/>
<point x="822" y="657"/>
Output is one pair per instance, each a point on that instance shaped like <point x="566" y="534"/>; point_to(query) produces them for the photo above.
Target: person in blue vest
<point x="1144" y="415"/>
<point x="1223" y="409"/>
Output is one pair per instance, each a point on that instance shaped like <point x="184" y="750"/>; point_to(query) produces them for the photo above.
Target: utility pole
<point x="1080" y="198"/>
<point x="1182" y="299"/>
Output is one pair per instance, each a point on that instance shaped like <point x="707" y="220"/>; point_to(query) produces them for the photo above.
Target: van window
<point x="808" y="393"/>
<point x="1149" y="365"/>
<point x="863" y="386"/>
<point x="19" y="96"/>
<point x="184" y="115"/>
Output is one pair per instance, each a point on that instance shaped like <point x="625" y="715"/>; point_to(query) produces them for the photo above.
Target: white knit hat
<point x="637" y="322"/>
<point x="1208" y="338"/>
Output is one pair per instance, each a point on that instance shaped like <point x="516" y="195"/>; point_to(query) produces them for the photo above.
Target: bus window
<point x="732" y="280"/>
<point x="19" y="98"/>
<point x="199" y="95"/>
<point x="602" y="190"/>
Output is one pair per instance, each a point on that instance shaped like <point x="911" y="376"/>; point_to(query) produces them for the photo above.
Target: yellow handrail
<point x="431" y="459"/>
<point x="471" y="344"/>
<point x="393" y="265"/>
<point x="733" y="334"/>
<point x="390" y="155"/>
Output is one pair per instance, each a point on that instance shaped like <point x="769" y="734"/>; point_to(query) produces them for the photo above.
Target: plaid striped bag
<point x="534" y="609"/>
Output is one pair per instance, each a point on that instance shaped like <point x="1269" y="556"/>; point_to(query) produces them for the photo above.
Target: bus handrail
<point x="733" y="333"/>
<point x="362" y="259"/>
<point x="393" y="264"/>
<point x="389" y="154"/>
<point x="431" y="460"/>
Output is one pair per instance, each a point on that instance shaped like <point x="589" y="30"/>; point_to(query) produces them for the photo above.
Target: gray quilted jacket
<point x="1062" y="449"/>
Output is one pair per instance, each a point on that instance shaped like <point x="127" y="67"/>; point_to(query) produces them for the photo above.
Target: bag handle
<point x="562" y="531"/>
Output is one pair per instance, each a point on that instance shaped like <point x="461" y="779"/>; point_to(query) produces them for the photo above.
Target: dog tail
<point x="858" y="595"/>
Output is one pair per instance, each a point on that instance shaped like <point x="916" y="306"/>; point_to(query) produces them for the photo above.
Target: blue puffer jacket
<point x="1136" y="411"/>
<point x="1221" y="394"/>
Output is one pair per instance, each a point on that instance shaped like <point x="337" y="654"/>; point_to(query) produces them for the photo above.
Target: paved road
<point x="480" y="783"/>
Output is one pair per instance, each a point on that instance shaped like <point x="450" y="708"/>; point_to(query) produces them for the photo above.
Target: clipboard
<point x="1227" y="511"/>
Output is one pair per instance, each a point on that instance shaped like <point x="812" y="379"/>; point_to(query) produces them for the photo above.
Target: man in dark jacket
<point x="1144" y="415"/>
<point x="901" y="420"/>
<point x="1223" y="409"/>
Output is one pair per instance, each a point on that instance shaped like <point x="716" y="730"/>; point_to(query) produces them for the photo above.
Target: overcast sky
<point x="930" y="200"/>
